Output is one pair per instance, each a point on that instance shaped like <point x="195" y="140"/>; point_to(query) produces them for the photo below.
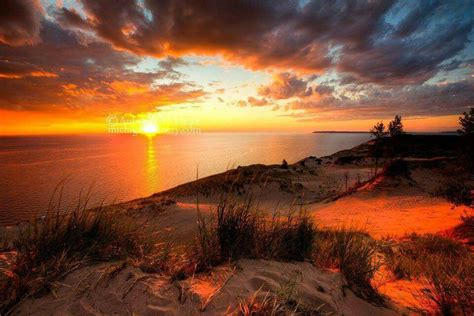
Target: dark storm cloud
<point x="386" y="42"/>
<point x="20" y="21"/>
<point x="61" y="73"/>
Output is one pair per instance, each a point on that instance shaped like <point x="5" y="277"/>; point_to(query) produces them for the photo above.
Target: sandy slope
<point x="113" y="289"/>
<point x="390" y="211"/>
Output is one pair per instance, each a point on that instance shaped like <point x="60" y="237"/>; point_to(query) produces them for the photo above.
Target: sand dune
<point x="114" y="289"/>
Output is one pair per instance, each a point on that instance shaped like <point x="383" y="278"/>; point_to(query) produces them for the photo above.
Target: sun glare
<point x="149" y="128"/>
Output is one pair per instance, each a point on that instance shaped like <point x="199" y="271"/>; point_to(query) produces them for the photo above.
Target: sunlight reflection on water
<point x="124" y="167"/>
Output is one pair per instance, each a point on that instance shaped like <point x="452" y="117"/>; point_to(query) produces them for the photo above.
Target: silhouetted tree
<point x="378" y="131"/>
<point x="467" y="142"/>
<point x="467" y="123"/>
<point x="395" y="127"/>
<point x="395" y="130"/>
<point x="284" y="164"/>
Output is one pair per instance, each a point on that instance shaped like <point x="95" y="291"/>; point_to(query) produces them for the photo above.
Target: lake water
<point x="123" y="167"/>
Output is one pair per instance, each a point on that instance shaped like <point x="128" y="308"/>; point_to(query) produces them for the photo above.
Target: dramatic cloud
<point x="323" y="89"/>
<point x="285" y="86"/>
<point x="378" y="41"/>
<point x="17" y="70"/>
<point x="60" y="73"/>
<point x="340" y="59"/>
<point x="375" y="102"/>
<point x="20" y="21"/>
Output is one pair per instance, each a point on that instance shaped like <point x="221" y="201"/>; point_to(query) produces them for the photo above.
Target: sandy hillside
<point x="388" y="206"/>
<point x="114" y="289"/>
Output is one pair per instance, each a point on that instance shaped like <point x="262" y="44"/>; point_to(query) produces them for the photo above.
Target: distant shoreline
<point x="339" y="132"/>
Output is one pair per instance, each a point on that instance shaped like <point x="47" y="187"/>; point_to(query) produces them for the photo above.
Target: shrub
<point x="455" y="190"/>
<point x="353" y="253"/>
<point x="48" y="249"/>
<point x="397" y="168"/>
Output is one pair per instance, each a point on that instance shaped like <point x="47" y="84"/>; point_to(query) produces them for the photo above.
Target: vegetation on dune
<point x="382" y="146"/>
<point x="465" y="230"/>
<point x="466" y="130"/>
<point x="48" y="249"/>
<point x="395" y="127"/>
<point x="237" y="230"/>
<point x="283" y="302"/>
<point x="442" y="265"/>
<point x="353" y="252"/>
<point x="378" y="132"/>
<point x="397" y="168"/>
<point x="456" y="190"/>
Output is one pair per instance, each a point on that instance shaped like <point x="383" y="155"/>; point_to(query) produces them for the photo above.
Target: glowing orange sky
<point x="67" y="67"/>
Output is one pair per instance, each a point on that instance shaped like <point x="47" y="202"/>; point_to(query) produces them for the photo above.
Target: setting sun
<point x="149" y="128"/>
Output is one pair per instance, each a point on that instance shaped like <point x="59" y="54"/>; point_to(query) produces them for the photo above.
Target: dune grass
<point x="283" y="301"/>
<point x="465" y="230"/>
<point x="237" y="230"/>
<point x="444" y="267"/>
<point x="48" y="249"/>
<point x="353" y="252"/>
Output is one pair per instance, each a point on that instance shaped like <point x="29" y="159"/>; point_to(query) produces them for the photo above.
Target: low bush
<point x="397" y="168"/>
<point x="456" y="191"/>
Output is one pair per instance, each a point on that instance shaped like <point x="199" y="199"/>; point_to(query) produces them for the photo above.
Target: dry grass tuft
<point x="47" y="249"/>
<point x="449" y="283"/>
<point x="443" y="265"/>
<point x="237" y="230"/>
<point x="465" y="230"/>
<point x="282" y="302"/>
<point x="354" y="254"/>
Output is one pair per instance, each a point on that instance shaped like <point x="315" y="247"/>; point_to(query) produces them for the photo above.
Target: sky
<point x="257" y="66"/>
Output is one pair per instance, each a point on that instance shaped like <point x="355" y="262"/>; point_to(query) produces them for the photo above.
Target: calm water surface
<point x="123" y="167"/>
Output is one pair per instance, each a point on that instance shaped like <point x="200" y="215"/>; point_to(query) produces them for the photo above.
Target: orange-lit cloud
<point x="285" y="86"/>
<point x="347" y="60"/>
